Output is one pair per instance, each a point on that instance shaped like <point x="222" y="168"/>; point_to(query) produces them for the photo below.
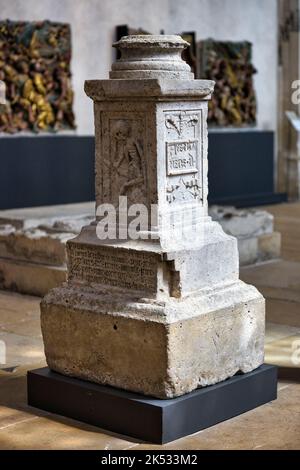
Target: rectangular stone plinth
<point x="158" y="348"/>
<point x="149" y="419"/>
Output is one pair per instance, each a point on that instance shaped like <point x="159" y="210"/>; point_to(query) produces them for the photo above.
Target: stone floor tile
<point x="284" y="352"/>
<point x="10" y="416"/>
<point x="56" y="432"/>
<point x="10" y="316"/>
<point x="18" y="302"/>
<point x="30" y="327"/>
<point x="21" y="349"/>
<point x="274" y="274"/>
<point x="276" y="331"/>
<point x="287" y="222"/>
<point x="13" y="387"/>
<point x="283" y="311"/>
<point x="274" y="425"/>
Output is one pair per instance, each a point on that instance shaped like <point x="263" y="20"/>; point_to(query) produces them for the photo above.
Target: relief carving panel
<point x="183" y="135"/>
<point x="124" y="171"/>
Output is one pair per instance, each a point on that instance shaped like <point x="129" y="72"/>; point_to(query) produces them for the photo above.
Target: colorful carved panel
<point x="229" y="65"/>
<point x="35" y="68"/>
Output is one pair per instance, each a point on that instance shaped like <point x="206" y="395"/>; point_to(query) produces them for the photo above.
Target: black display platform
<point x="146" y="418"/>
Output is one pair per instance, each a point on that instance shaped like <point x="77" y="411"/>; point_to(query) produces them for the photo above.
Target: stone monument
<point x="164" y="314"/>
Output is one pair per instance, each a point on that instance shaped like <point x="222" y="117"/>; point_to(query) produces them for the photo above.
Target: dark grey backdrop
<point x="46" y="170"/>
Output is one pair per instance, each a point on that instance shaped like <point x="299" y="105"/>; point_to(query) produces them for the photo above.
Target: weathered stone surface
<point x="242" y="223"/>
<point x="29" y="278"/>
<point x="164" y="349"/>
<point x="151" y="57"/>
<point x="33" y="245"/>
<point x="165" y="315"/>
<point x="146" y="266"/>
<point x="33" y="217"/>
<point x="257" y="242"/>
<point x="248" y="251"/>
<point x="269" y="246"/>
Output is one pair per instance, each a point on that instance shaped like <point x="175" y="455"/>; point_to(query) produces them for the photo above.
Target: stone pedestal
<point x="167" y="313"/>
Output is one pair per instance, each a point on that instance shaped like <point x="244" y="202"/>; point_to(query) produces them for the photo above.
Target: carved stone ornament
<point x="165" y="314"/>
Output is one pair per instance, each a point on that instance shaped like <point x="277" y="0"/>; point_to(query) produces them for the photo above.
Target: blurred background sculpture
<point x="229" y="65"/>
<point x="35" y="67"/>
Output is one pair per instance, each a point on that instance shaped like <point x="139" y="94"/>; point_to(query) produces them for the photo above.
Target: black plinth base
<point x="151" y="419"/>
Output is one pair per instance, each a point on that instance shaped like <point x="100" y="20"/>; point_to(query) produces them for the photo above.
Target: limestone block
<point x="32" y="217"/>
<point x="254" y="230"/>
<point x="163" y="349"/>
<point x="242" y="223"/>
<point x="33" y="245"/>
<point x="145" y="266"/>
<point x="30" y="278"/>
<point x="269" y="246"/>
<point x="248" y="251"/>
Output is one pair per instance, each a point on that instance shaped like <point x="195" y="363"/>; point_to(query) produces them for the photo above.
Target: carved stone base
<point x="159" y="348"/>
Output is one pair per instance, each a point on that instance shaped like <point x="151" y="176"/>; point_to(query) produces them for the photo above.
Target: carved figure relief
<point x="128" y="162"/>
<point x="124" y="166"/>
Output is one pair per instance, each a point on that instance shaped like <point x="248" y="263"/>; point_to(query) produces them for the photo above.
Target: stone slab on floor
<point x="276" y="280"/>
<point x="279" y="282"/>
<point x="33" y="241"/>
<point x="33" y="245"/>
<point x="29" y="278"/>
<point x="287" y="222"/>
<point x="254" y="230"/>
<point x="29" y="217"/>
<point x="284" y="352"/>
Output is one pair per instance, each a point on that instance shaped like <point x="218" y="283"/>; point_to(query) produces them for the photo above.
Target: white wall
<point x="236" y="20"/>
<point x="93" y="23"/>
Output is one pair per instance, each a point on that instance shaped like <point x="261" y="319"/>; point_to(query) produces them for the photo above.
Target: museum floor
<point x="272" y="426"/>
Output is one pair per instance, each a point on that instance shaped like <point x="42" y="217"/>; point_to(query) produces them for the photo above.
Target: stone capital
<point x="159" y="89"/>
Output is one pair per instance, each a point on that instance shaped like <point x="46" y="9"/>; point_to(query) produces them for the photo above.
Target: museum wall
<point x="93" y="26"/>
<point x="236" y="20"/>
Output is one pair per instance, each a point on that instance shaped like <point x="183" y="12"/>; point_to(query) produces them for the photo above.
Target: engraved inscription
<point x="182" y="157"/>
<point x="184" y="190"/>
<point x="114" y="267"/>
<point x="183" y="134"/>
<point x="181" y="123"/>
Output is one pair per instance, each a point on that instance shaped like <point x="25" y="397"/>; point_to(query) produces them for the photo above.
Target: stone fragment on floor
<point x="32" y="245"/>
<point x="253" y="228"/>
<point x="287" y="222"/>
<point x="279" y="282"/>
<point x="33" y="241"/>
